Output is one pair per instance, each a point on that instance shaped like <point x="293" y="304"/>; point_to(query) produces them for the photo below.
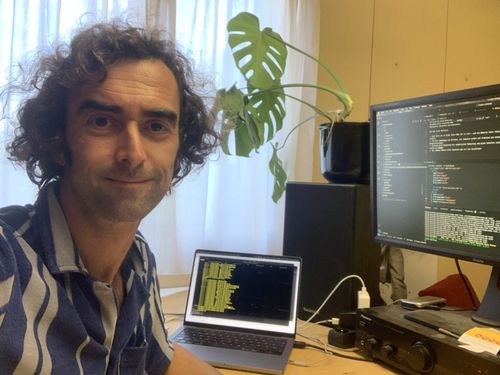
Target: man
<point x="113" y="123"/>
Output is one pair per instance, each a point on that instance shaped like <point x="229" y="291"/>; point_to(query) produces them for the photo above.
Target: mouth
<point x="128" y="181"/>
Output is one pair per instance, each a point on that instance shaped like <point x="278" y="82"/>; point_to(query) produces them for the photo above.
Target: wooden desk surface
<point x="316" y="362"/>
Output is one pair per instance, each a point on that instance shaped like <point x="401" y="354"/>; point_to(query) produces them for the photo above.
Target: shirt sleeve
<point x="7" y="268"/>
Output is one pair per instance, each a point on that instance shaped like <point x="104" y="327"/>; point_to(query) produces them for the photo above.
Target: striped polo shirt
<point x="55" y="318"/>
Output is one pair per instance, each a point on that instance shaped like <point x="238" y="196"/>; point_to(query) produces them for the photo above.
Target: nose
<point x="130" y="148"/>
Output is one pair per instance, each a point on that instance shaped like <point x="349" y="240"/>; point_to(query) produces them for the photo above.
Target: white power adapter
<point x="363" y="298"/>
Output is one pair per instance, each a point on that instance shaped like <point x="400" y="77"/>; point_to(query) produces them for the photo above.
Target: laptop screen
<point x="250" y="291"/>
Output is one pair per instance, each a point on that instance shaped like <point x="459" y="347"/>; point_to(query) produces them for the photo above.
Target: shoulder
<point x="7" y="242"/>
<point x="14" y="222"/>
<point x="8" y="267"/>
<point x="11" y="220"/>
<point x="16" y="217"/>
<point x="17" y="258"/>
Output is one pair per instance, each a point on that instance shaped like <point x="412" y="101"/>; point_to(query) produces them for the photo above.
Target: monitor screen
<point x="436" y="174"/>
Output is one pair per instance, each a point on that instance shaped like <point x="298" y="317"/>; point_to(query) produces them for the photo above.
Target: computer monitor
<point x="436" y="179"/>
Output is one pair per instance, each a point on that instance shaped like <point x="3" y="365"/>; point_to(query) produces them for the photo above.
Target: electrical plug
<point x="363" y="298"/>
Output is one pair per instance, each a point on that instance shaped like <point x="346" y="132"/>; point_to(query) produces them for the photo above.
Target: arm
<point x="184" y="362"/>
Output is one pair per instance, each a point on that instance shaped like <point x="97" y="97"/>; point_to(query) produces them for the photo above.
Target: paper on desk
<point x="481" y="340"/>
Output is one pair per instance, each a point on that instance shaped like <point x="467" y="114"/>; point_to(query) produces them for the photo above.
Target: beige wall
<point x="385" y="50"/>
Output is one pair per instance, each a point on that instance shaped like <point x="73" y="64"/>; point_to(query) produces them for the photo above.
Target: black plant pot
<point x="345" y="149"/>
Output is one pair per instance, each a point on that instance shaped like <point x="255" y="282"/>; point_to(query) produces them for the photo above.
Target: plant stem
<point x="318" y="110"/>
<point x="327" y="69"/>
<point x="341" y="96"/>
<point x="295" y="128"/>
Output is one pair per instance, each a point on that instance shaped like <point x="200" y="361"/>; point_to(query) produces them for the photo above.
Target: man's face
<point x="123" y="138"/>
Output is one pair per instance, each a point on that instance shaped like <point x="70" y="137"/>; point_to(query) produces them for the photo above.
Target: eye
<point x="100" y="121"/>
<point x="159" y="128"/>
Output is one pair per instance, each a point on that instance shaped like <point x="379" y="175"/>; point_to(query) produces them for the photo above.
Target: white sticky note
<point x="481" y="340"/>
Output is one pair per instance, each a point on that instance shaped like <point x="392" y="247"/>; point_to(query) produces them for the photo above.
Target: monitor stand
<point x="489" y="310"/>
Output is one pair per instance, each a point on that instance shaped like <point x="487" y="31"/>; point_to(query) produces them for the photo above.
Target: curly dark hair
<point x="41" y="132"/>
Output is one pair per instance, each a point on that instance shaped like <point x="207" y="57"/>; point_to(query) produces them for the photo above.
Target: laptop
<point x="245" y="306"/>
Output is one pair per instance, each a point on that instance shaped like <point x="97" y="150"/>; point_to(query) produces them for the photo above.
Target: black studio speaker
<point x="328" y="226"/>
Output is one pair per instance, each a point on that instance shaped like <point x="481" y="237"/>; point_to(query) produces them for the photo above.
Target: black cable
<point x="302" y="344"/>
<point x="465" y="283"/>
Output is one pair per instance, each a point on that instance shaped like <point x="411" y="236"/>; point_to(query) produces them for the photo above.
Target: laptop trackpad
<point x="235" y="359"/>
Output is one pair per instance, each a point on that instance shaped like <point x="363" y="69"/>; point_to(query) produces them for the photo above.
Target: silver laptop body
<point x="253" y="294"/>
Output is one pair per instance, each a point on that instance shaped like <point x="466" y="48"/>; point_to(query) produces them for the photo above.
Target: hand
<point x="185" y="362"/>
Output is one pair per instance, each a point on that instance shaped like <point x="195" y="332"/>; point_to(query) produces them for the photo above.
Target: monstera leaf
<point x="231" y="104"/>
<point x="236" y="118"/>
<point x="246" y="137"/>
<point x="268" y="109"/>
<point x="277" y="170"/>
<point x="259" y="55"/>
<point x="257" y="115"/>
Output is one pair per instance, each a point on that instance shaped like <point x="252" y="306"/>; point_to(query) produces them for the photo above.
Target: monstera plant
<point x="255" y="113"/>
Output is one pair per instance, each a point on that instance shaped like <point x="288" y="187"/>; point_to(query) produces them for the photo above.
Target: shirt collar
<point x="62" y="254"/>
<point x="66" y="257"/>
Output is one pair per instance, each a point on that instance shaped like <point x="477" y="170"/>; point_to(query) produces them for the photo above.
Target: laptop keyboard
<point x="231" y="340"/>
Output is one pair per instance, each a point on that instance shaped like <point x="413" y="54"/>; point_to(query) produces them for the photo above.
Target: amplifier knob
<point x="388" y="350"/>
<point x="421" y="358"/>
<point x="372" y="344"/>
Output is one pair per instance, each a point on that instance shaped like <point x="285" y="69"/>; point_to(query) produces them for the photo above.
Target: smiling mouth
<point x="128" y="181"/>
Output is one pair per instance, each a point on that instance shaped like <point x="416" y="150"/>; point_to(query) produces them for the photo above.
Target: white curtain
<point x="227" y="204"/>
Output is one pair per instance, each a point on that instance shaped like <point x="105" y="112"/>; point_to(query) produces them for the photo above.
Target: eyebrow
<point x="166" y="114"/>
<point x="89" y="104"/>
<point x="96" y="104"/>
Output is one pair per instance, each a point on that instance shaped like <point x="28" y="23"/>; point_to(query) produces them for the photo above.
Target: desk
<point x="320" y="363"/>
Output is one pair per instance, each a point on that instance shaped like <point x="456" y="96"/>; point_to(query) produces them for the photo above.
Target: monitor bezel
<point x="472" y="93"/>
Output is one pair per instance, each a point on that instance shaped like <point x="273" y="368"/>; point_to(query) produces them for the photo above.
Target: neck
<point x="103" y="252"/>
<point x="101" y="244"/>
